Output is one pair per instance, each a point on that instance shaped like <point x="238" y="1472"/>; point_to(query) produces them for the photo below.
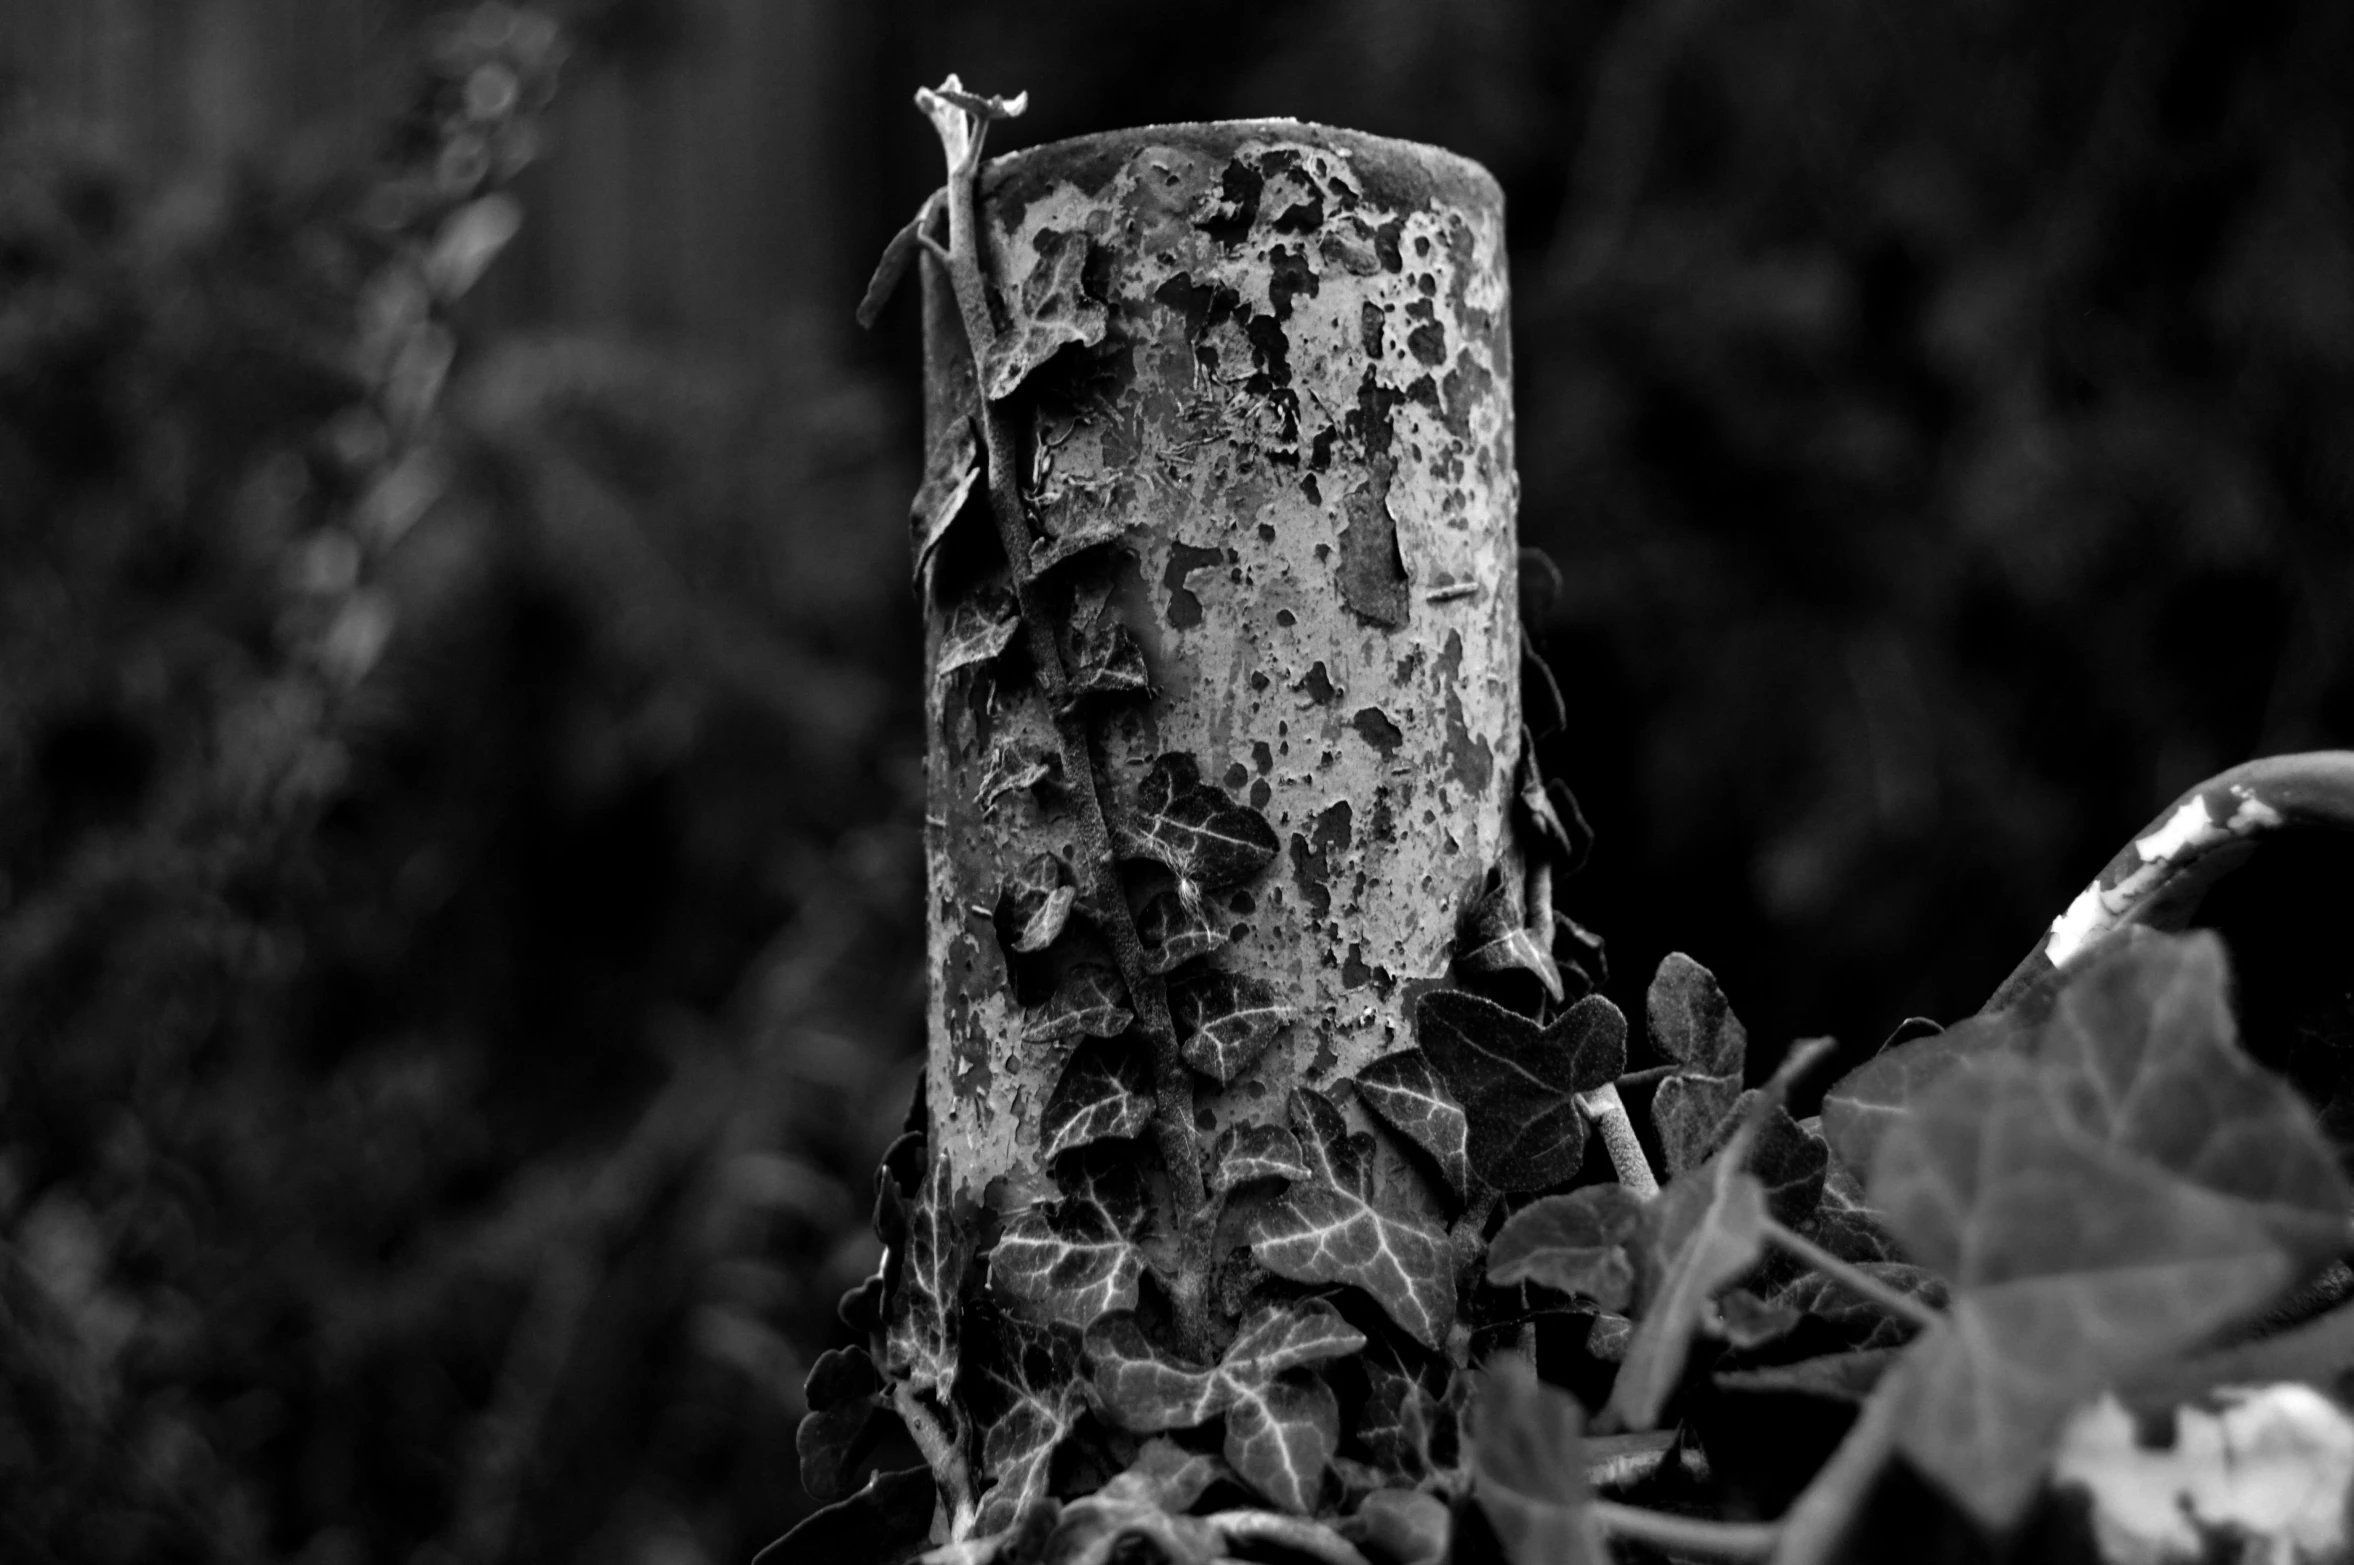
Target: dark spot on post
<point x="1427" y="283"/>
<point x="1320" y="449"/>
<point x="1421" y="246"/>
<point x="1308" y="488"/>
<point x="1271" y="352"/>
<point x="1428" y="343"/>
<point x="1260" y="793"/>
<point x="1384" y="825"/>
<point x="1259" y="681"/>
<point x="1372" y="574"/>
<point x="1385" y="244"/>
<point x="1312" y="858"/>
<point x="1266" y="532"/>
<point x="1302" y="217"/>
<point x="1354" y="974"/>
<point x="1318" y="685"/>
<point x="1262" y="757"/>
<point x="1238" y="204"/>
<point x="1369" y="328"/>
<point x="1286" y="618"/>
<point x="1471" y="761"/>
<point x="1243" y="902"/>
<point x="1185" y="610"/>
<point x="1237" y="775"/>
<point x="1289" y="277"/>
<point x="1375" y="728"/>
<point x="1203" y="305"/>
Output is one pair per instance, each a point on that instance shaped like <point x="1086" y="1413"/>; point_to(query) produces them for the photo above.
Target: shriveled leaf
<point x="1075" y="1260"/>
<point x="1174" y="929"/>
<point x="1105" y="1094"/>
<point x="1580" y="1243"/>
<point x="1328" y="1228"/>
<point x="1493" y="937"/>
<point x="1247" y="1152"/>
<point x="1225" y="1021"/>
<point x="1280" y="1437"/>
<point x="1405" y="1091"/>
<point x="1104" y="657"/>
<point x="952" y="466"/>
<point x="1196" y="830"/>
<point x="840" y="1394"/>
<point x="1405" y="1526"/>
<point x="1836" y="1377"/>
<point x="2100" y="1206"/>
<point x="1090" y="1001"/>
<point x="889" y="1522"/>
<point x="1860" y="1106"/>
<point x="1526" y="1468"/>
<point x="897" y="257"/>
<point x="1278" y="1337"/>
<point x="1050" y="308"/>
<point x="1518" y="1082"/>
<point x="1035" y="904"/>
<point x="1030" y="1396"/>
<point x="980" y="628"/>
<point x="1011" y="771"/>
<point x="921" y="1316"/>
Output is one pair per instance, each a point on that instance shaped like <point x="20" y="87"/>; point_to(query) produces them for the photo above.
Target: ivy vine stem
<point x="1850" y="1276"/>
<point x="942" y="1453"/>
<point x="1608" y="1111"/>
<point x="1173" y="1097"/>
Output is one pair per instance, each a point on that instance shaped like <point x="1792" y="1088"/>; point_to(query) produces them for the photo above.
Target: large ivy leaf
<point x="1404" y="1090"/>
<point x="979" y="629"/>
<point x="951" y="467"/>
<point x="1105" y="1094"/>
<point x="889" y="1522"/>
<point x="1518" y="1082"/>
<point x="1035" y="904"/>
<point x="1104" y="658"/>
<point x="1090" y="1001"/>
<point x="1581" y="1243"/>
<point x="1050" y="309"/>
<point x="840" y="1394"/>
<point x="1493" y="937"/>
<point x="1030" y="1395"/>
<point x="1328" y="1228"/>
<point x="1526" y="1469"/>
<point x="1691" y="1023"/>
<point x="1281" y="1436"/>
<point x="1196" y="830"/>
<point x="2100" y="1206"/>
<point x="1225" y="1021"/>
<point x="1174" y="929"/>
<point x="1075" y="1260"/>
<point x="1248" y="1152"/>
<point x="921" y="1316"/>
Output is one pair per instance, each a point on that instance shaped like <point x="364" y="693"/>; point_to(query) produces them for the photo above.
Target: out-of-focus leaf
<point x="1166" y="1474"/>
<point x="1580" y="1243"/>
<point x="1837" y="1377"/>
<point x="1031" y="1394"/>
<point x="1844" y="1222"/>
<point x="889" y="1522"/>
<point x="1050" y="309"/>
<point x="1518" y="1082"/>
<point x="1105" y="1094"/>
<point x="1035" y="903"/>
<point x="840" y="1394"/>
<point x="1404" y="1526"/>
<point x="1090" y="1001"/>
<point x="1247" y="1152"/>
<point x="1493" y="937"/>
<point x="1404" y="1090"/>
<point x="1174" y="929"/>
<point x="1328" y="1228"/>
<point x="1071" y="1262"/>
<point x="1526" y="1469"/>
<point x="2134" y="1185"/>
<point x="1225" y="1021"/>
<point x="1747" y="1321"/>
<point x="1196" y="830"/>
<point x="979" y="629"/>
<point x="1860" y="1106"/>
<point x="1691" y="1023"/>
<point x="921" y="1317"/>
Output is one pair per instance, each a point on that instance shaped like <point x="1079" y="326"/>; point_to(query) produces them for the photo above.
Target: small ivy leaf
<point x="1174" y="929"/>
<point x="1248" y="1152"/>
<point x="1105" y="1094"/>
<point x="1104" y="657"/>
<point x="1692" y="1114"/>
<point x="1073" y="1261"/>
<point x="1144" y="1390"/>
<point x="951" y="467"/>
<point x="1035" y="904"/>
<point x="1608" y="1338"/>
<point x="1554" y="811"/>
<point x="1580" y="1243"/>
<point x="1050" y="310"/>
<point x="1031" y="1396"/>
<point x="1492" y="937"/>
<point x="1704" y="1230"/>
<point x="921" y="1319"/>
<point x="1225" y="1021"/>
<point x="1398" y="1424"/>
<point x="1526" y="1469"/>
<point x="1327" y="1228"/>
<point x="1090" y="1001"/>
<point x="979" y="630"/>
<point x="1404" y="1526"/>
<point x="897" y="257"/>
<point x="889" y="1522"/>
<point x="1691" y="1024"/>
<point x="1861" y="1106"/>
<point x="1747" y="1321"/>
<point x="1280" y="1438"/>
<point x="2099" y="1206"/>
<point x="1195" y="829"/>
<point x="1792" y="1165"/>
<point x="1405" y="1092"/>
<point x="1518" y="1082"/>
<point x="1836" y="1377"/>
<point x="840" y="1394"/>
<point x="1279" y="1337"/>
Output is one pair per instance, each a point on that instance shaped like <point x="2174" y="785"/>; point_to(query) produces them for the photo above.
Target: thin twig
<point x="1675" y="1534"/>
<point x="1609" y="1113"/>
<point x="1851" y="1277"/>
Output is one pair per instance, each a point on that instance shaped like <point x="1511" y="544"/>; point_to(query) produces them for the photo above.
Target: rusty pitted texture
<point x="1290" y="455"/>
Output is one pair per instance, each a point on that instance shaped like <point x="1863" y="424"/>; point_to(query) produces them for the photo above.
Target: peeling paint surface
<point x="2200" y="823"/>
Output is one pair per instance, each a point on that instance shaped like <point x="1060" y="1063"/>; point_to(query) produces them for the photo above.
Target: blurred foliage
<point x="459" y="935"/>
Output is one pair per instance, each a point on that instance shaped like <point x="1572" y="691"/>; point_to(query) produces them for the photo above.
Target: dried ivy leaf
<point x="952" y="465"/>
<point x="1073" y="1261"/>
<point x="889" y="1522"/>
<point x="1281" y="1436"/>
<point x="1404" y="1090"/>
<point x="1030" y="1396"/>
<point x="1518" y="1082"/>
<point x="921" y="1318"/>
<point x="979" y="630"/>
<point x="2099" y="1206"/>
<point x="1328" y="1228"/>
<point x="840" y="1394"/>
<point x="1105" y="1094"/>
<point x="1691" y="1023"/>
<point x="1526" y="1469"/>
<point x="1247" y="1152"/>
<point x="1174" y="929"/>
<point x="897" y="257"/>
<point x="1104" y="657"/>
<point x="1195" y="829"/>
<point x="1050" y="310"/>
<point x="1860" y="1106"/>
<point x="1225" y="1021"/>
<point x="1035" y="904"/>
<point x="1492" y="937"/>
<point x="1090" y="1001"/>
<point x="1580" y="1243"/>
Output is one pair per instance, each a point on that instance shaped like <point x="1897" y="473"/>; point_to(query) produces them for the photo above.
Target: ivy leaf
<point x="921" y="1317"/>
<point x="1225" y="1021"/>
<point x="1405" y="1092"/>
<point x="1747" y="1321"/>
<point x="1166" y="1475"/>
<point x="1281" y="1436"/>
<point x="952" y="466"/>
<point x="1050" y="309"/>
<point x="1090" y="1001"/>
<point x="1035" y="904"/>
<point x="1843" y="1222"/>
<point x="1247" y="1152"/>
<point x="897" y="257"/>
<point x="840" y="1394"/>
<point x="1691" y="1023"/>
<point x="1836" y="1377"/>
<point x="1075" y="1260"/>
<point x="1030" y="1396"/>
<point x="1792" y="1165"/>
<point x="979" y="630"/>
<point x="1105" y="1094"/>
<point x="1194" y="829"/>
<point x="1143" y="1389"/>
<point x="1580" y="1243"/>
<point x="1870" y="1325"/>
<point x="1405" y="1526"/>
<point x="1174" y="929"/>
<point x="1526" y="1470"/>
<point x="1076" y="538"/>
<point x="889" y="1522"/>
<point x="1861" y="1106"/>
<point x="1327" y="1228"/>
<point x="1492" y="937"/>
<point x="1105" y="659"/>
<point x="1013" y="772"/>
<point x="2099" y="1206"/>
<point x="1518" y="1082"/>
<point x="1278" y="1337"/>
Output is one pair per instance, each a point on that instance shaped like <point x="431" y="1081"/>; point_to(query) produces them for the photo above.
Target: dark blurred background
<point x="459" y="927"/>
